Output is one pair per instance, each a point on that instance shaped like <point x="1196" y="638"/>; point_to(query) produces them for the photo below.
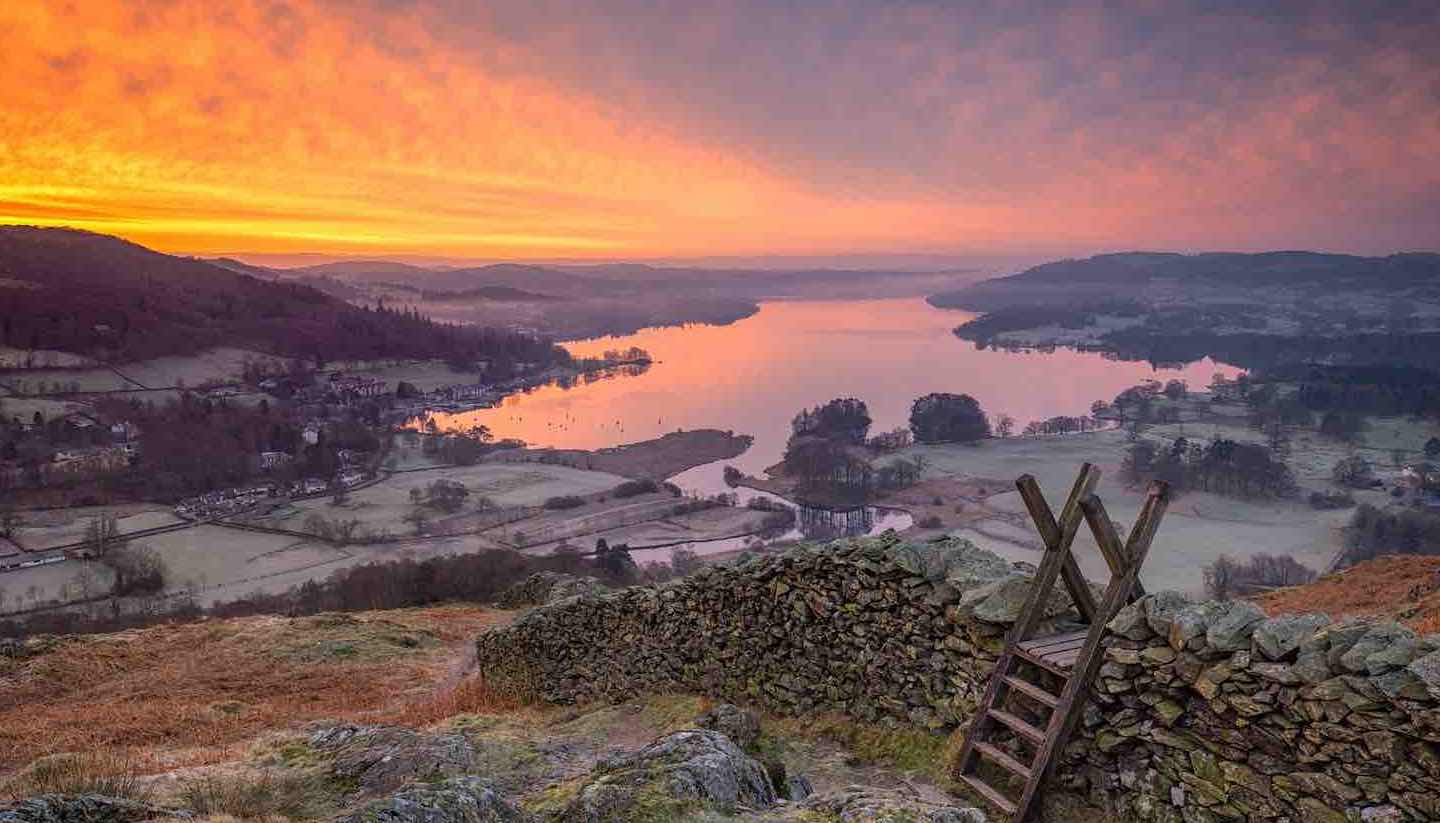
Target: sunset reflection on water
<point x="754" y="375"/>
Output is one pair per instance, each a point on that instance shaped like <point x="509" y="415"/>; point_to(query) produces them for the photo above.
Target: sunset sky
<point x="628" y="130"/>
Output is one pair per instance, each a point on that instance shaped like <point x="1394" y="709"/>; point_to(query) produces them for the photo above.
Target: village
<point x="305" y="471"/>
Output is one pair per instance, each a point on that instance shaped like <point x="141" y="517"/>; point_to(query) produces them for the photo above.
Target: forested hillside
<point x="1117" y="275"/>
<point x="105" y="297"/>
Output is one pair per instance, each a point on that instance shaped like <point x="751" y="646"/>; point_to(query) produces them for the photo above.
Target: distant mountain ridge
<point x="103" y="296"/>
<point x="1106" y="274"/>
<point x="571" y="281"/>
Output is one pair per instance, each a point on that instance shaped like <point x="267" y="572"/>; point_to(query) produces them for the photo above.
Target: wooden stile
<point x="1072" y="657"/>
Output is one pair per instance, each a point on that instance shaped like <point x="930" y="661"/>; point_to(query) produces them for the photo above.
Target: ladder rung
<point x="1003" y="758"/>
<point x="1019" y="726"/>
<point x="1040" y="661"/>
<point x="1065" y="660"/>
<point x="1032" y="691"/>
<point x="986" y="791"/>
<point x="1069" y="638"/>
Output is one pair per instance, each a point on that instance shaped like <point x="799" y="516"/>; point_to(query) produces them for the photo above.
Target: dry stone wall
<point x="1202" y="712"/>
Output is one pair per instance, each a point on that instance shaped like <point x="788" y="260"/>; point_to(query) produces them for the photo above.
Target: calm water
<point x="754" y="375"/>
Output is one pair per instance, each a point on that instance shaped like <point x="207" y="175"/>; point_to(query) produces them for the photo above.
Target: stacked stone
<point x="1202" y="711"/>
<point x="1211" y="711"/>
<point x="872" y="627"/>
<point x="547" y="587"/>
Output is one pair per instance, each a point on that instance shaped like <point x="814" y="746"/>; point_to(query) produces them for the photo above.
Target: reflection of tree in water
<point x="817" y="523"/>
<point x="608" y="373"/>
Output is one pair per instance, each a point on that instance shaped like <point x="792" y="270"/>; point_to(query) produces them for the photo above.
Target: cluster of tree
<point x="983" y="329"/>
<point x="828" y="447"/>
<point x="473" y="577"/>
<point x="105" y="297"/>
<point x="1227" y="578"/>
<point x="1222" y="466"/>
<point x="1276" y="413"/>
<point x="195" y="445"/>
<point x="1366" y="390"/>
<point x="1374" y="532"/>
<point x="137" y="569"/>
<point x="1162" y="343"/>
<point x="844" y="420"/>
<point x="460" y="448"/>
<point x="634" y="354"/>
<point x="948" y="418"/>
<point x="635" y="488"/>
<point x="900" y="473"/>
<point x="443" y="495"/>
<point x="1061" y="424"/>
<point x="890" y="441"/>
<point x="564" y="501"/>
<point x="615" y="562"/>
<point x="825" y="449"/>
<point x="343" y="531"/>
<point x="1134" y="403"/>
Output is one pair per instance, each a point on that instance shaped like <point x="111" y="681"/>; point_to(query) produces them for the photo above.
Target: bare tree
<point x="102" y="535"/>
<point x="1220" y="578"/>
<point x="1004" y="425"/>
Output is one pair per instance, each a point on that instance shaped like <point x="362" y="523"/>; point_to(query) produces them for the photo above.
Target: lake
<point x="753" y="375"/>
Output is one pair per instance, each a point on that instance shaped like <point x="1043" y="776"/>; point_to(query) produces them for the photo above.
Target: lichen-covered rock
<point x="1131" y="622"/>
<point x="1001" y="601"/>
<point x="858" y="804"/>
<point x="548" y="587"/>
<point x="740" y="725"/>
<point x="575" y="586"/>
<point x="1383" y="647"/>
<point x="453" y="800"/>
<point x="964" y="565"/>
<point x="694" y="768"/>
<point x="82" y="808"/>
<point x="1189" y="624"/>
<point x="1230" y="630"/>
<point x="1161" y="608"/>
<point x="1280" y="637"/>
<point x="384" y="758"/>
<point x="1337" y="639"/>
<point x="1427" y="669"/>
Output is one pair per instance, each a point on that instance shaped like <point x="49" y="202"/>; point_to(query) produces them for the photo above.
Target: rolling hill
<point x="105" y="297"/>
<point x="1128" y="275"/>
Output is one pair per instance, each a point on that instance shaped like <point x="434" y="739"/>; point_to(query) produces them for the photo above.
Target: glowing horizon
<point x="614" y="130"/>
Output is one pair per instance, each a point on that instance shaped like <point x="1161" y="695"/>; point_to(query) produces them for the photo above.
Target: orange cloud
<point x="560" y="129"/>
<point x="290" y="130"/>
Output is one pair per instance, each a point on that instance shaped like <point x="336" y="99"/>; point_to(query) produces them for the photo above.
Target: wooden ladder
<point x="1072" y="658"/>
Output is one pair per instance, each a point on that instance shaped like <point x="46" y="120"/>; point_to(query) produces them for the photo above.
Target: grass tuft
<point x="192" y="694"/>
<point x="87" y="773"/>
<point x="296" y="796"/>
<point x="473" y="695"/>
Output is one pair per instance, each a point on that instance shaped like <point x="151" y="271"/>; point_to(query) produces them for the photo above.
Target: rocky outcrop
<point x="861" y="804"/>
<point x="1203" y="711"/>
<point x="453" y="800"/>
<point x="82" y="808"/>
<point x="694" y="768"/>
<point x="384" y="758"/>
